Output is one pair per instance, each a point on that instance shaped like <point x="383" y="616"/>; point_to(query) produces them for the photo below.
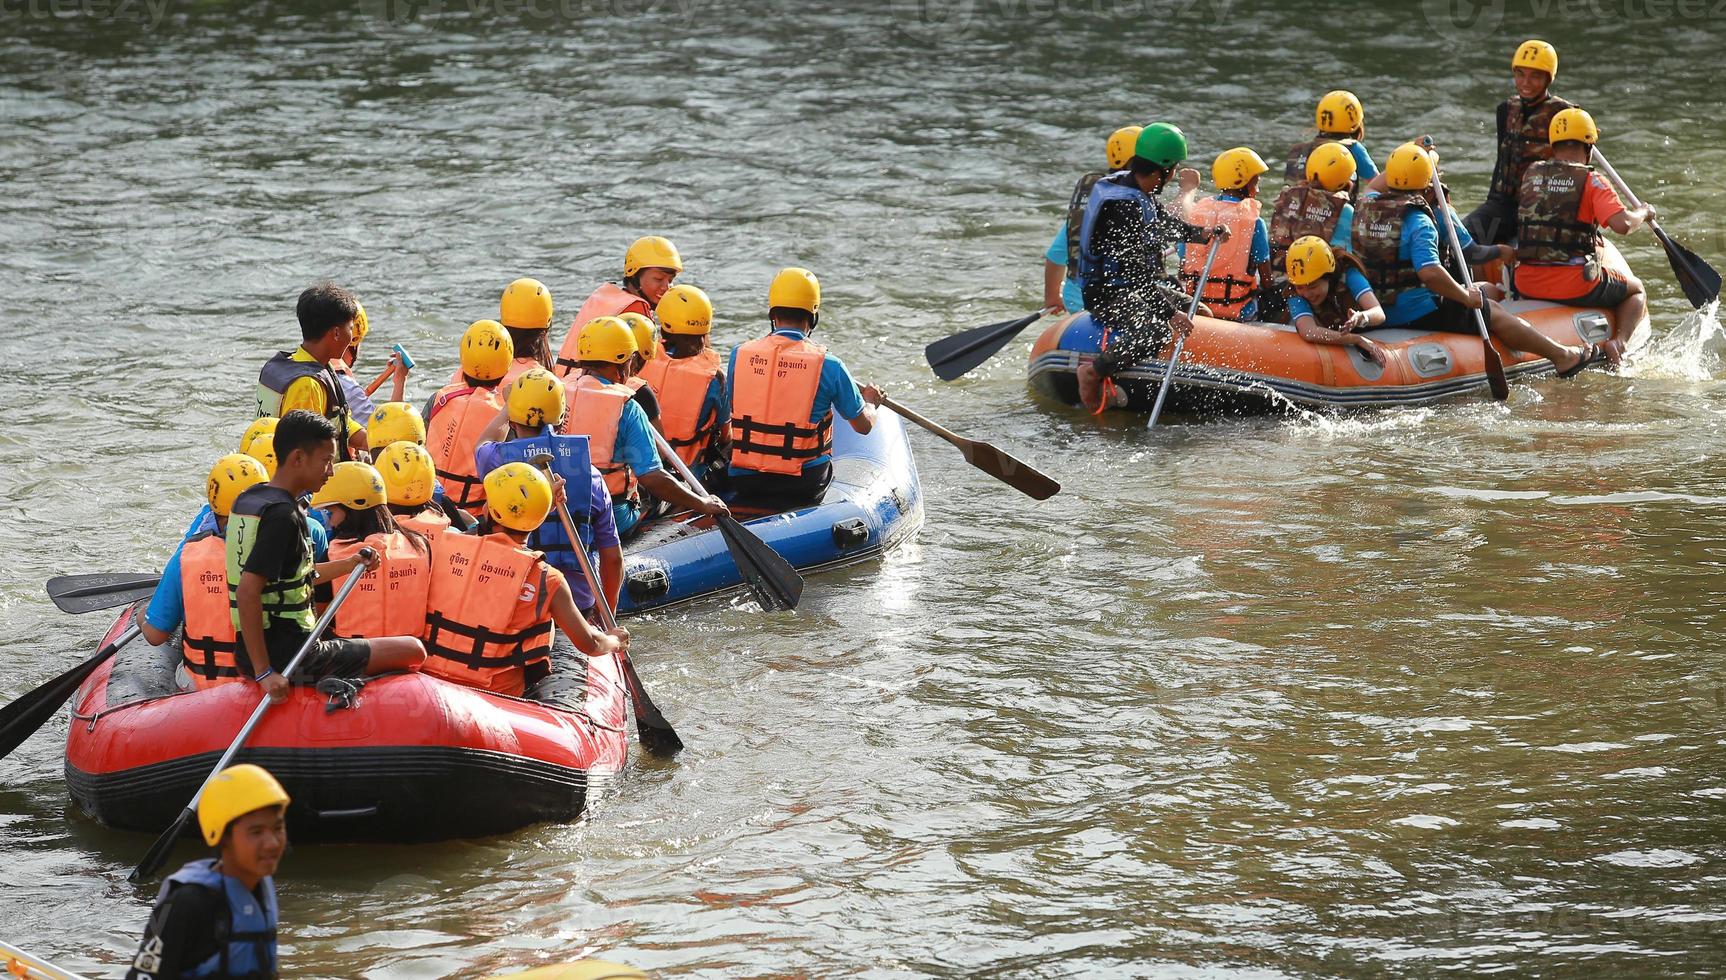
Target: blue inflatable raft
<point x="874" y="504"/>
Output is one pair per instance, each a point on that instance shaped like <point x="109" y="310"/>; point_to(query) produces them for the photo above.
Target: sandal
<point x="1591" y="354"/>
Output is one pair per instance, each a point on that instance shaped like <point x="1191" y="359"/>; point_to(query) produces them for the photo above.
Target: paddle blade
<point x="1495" y="378"/>
<point x="105" y="590"/>
<point x="159" y="851"/>
<point x="655" y="733"/>
<point x="1698" y="279"/>
<point x="775" y="583"/>
<point x="1009" y="469"/>
<point x="952" y="357"/>
<point x="25" y="716"/>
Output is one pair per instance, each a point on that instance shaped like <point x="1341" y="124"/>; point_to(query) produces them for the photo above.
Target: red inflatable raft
<point x="405" y="757"/>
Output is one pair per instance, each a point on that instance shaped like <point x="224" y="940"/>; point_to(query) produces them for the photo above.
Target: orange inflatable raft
<point x="1228" y="367"/>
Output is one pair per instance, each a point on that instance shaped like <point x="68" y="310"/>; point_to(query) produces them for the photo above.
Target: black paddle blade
<point x="159" y="851"/>
<point x="25" y="716"/>
<point x="952" y="357"/>
<point x="1495" y="378"/>
<point x="1701" y="284"/>
<point x="1011" y="470"/>
<point x="655" y="733"/>
<point x="105" y="590"/>
<point x="775" y="583"/>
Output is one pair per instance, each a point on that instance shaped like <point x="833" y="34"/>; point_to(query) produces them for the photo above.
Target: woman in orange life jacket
<point x="390" y="601"/>
<point x="409" y="481"/>
<point x="1243" y="259"/>
<point x="495" y="633"/>
<point x="650" y="266"/>
<point x="460" y="411"/>
<point x="194" y="586"/>
<point x="1330" y="301"/>
<point x="783" y="390"/>
<point x="689" y="380"/>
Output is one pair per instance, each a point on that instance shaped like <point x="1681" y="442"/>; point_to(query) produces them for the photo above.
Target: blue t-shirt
<point x="1343" y="237"/>
<point x="1072" y="294"/>
<point x="1419" y="247"/>
<point x="167" y="608"/>
<point x="599" y="514"/>
<point x="1351" y="277"/>
<point x="1364" y="168"/>
<point x="205" y="521"/>
<point x="1258" y="254"/>
<point x="835" y="392"/>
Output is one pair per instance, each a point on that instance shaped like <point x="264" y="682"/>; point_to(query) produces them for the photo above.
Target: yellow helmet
<point x="1339" y="112"/>
<point x="263" y="426"/>
<point x="652" y="252"/>
<point x="486" y="350"/>
<point x="1236" y="168"/>
<point x="1330" y="166"/>
<point x="536" y="399"/>
<point x="1573" y="124"/>
<point x="233" y="793"/>
<point x="795" y="289"/>
<point x="517" y="496"/>
<point x="685" y="310"/>
<point x="526" y="305"/>
<point x="394" y="422"/>
<point x="408" y="473"/>
<point x="1120" y="145"/>
<point x="362" y="326"/>
<point x="1537" y="55"/>
<point x="355" y="486"/>
<point x="263" y="449"/>
<point x="232" y="475"/>
<point x="606" y="339"/>
<point x="1410" y="168"/>
<point x="1309" y="260"/>
<point x="641" y="329"/>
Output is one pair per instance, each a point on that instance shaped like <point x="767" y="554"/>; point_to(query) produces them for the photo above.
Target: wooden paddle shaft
<point x="935" y="427"/>
<point x="1181" y="341"/>
<point x="1456" y="252"/>
<point x="379" y="382"/>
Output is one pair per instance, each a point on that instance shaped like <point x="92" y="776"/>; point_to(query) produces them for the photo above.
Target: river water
<point x="1414" y="692"/>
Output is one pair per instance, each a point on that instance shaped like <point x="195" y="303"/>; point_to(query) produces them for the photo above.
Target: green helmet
<point x="1161" y="144"/>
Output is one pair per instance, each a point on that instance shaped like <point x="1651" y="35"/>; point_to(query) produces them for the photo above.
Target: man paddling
<point x="216" y="917"/>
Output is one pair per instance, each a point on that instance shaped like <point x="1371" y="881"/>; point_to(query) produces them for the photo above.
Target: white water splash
<point x="1683" y="353"/>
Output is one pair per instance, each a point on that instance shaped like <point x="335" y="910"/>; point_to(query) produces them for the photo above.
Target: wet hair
<point x="473" y="382"/>
<point x="300" y="429"/>
<point x="323" y="307"/>
<point x="788" y="313"/>
<point x="531" y="343"/>
<point x="362" y="524"/>
<point x="681" y="345"/>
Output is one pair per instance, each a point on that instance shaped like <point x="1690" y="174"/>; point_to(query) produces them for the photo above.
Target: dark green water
<point x="1425" y="691"/>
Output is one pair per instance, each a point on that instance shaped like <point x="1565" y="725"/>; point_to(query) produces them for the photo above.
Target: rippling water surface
<point x="1420" y="691"/>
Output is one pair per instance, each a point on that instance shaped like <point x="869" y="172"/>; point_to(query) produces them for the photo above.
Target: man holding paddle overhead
<point x="1523" y="121"/>
<point x="783" y="390"/>
<point x="270" y="571"/>
<point x="1122" y="240"/>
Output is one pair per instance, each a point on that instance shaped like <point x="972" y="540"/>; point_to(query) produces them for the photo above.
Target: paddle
<point x="102" y="590"/>
<point x="378" y="382"/>
<point x="951" y="357"/>
<point x="1701" y="284"/>
<point x="656" y="734"/>
<point x="158" y="851"/>
<point x="1494" y="364"/>
<point x="1192" y="311"/>
<point x="1001" y="465"/>
<point x="25" y="716"/>
<point x="771" y="578"/>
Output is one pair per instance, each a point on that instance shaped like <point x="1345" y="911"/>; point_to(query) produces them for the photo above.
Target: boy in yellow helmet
<point x="1523" y="122"/>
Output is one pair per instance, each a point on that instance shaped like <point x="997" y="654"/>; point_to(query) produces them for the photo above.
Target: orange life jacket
<point x="488" y="613"/>
<point x="681" y="385"/>
<point x="1231" y="284"/>
<point x="390" y="599"/>
<point x="458" y="415"/>
<point x="517" y="368"/>
<point x="594" y="409"/>
<point x="429" y="520"/>
<point x="208" y="635"/>
<point x="609" y="299"/>
<point x="772" y="397"/>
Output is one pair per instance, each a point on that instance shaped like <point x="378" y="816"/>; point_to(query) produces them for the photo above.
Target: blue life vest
<point x="1093" y="268"/>
<point x="570" y="460"/>
<point x="248" y="937"/>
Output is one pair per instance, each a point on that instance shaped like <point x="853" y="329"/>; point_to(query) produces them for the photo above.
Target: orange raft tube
<point x="1229" y="367"/>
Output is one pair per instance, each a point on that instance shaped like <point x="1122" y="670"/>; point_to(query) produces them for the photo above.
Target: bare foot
<point x="1090" y="386"/>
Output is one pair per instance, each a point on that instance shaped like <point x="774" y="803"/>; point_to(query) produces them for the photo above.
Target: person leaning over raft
<point x="782" y="390"/>
<point x="1121" y="245"/>
<point x="1331" y="302"/>
<point x="271" y="573"/>
<point x="1523" y="123"/>
<point x="1318" y="205"/>
<point x="304" y="378"/>
<point x="1061" y="288"/>
<point x="216" y="917"/>
<point x="1564" y="203"/>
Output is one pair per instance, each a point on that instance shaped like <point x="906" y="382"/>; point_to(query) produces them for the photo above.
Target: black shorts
<point x="329" y="658"/>
<point x="1450" y="317"/>
<point x="776" y="491"/>
<point x="1611" y="290"/>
